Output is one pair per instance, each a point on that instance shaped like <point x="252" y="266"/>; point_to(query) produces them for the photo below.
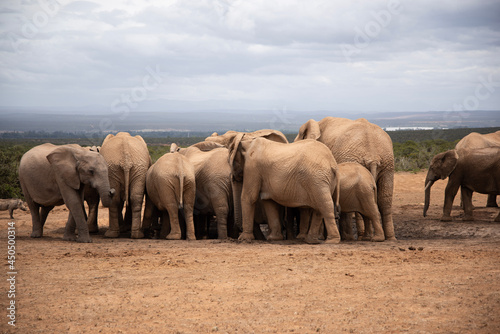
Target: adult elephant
<point x="237" y="184"/>
<point x="476" y="140"/>
<point x="472" y="170"/>
<point x="365" y="143"/>
<point x="171" y="186"/>
<point x="53" y="175"/>
<point x="214" y="195"/>
<point x="300" y="174"/>
<point x="128" y="162"/>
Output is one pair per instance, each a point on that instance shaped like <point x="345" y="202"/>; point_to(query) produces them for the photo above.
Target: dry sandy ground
<point x="437" y="278"/>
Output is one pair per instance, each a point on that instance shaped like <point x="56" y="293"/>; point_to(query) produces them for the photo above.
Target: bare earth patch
<point x="437" y="278"/>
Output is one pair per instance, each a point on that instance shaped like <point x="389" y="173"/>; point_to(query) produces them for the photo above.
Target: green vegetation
<point x="413" y="149"/>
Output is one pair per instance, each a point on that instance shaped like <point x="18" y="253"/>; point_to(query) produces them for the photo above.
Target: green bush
<point x="10" y="155"/>
<point x="414" y="156"/>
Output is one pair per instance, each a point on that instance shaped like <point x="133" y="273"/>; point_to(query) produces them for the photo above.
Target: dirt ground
<point x="437" y="278"/>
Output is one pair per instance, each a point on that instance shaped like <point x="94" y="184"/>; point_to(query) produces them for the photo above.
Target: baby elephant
<point x="358" y="193"/>
<point x="11" y="204"/>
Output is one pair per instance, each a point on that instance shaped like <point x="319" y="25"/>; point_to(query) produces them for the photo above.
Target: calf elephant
<point x="128" y="162"/>
<point x="365" y="143"/>
<point x="12" y="204"/>
<point x="472" y="170"/>
<point x="213" y="182"/>
<point x="54" y="175"/>
<point x="171" y="186"/>
<point x="302" y="174"/>
<point x="476" y="140"/>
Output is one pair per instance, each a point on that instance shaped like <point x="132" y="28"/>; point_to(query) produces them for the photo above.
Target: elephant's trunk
<point x="238" y="216"/>
<point x="428" y="184"/>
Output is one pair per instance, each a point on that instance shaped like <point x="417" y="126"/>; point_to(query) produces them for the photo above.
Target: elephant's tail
<point x="336" y="194"/>
<point x="181" y="187"/>
<point x="126" y="173"/>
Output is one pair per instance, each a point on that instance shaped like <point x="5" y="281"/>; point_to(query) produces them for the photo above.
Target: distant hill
<point x="223" y="120"/>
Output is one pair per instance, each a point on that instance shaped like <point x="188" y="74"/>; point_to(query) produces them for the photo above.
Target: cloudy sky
<point x="232" y="54"/>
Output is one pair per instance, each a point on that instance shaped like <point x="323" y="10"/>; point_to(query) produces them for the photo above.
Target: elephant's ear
<point x="174" y="148"/>
<point x="236" y="159"/>
<point x="273" y="135"/>
<point x="65" y="164"/>
<point x="206" y="146"/>
<point x="448" y="162"/>
<point x="309" y="130"/>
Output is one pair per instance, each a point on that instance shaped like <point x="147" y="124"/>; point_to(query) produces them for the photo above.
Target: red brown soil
<point x="437" y="278"/>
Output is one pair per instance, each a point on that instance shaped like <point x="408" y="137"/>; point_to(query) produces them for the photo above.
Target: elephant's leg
<point x="385" y="190"/>
<point x="136" y="200"/>
<point x="74" y="202"/>
<point x="312" y="236"/>
<point x="221" y="208"/>
<point x="345" y="224"/>
<point x="92" y="217"/>
<point x="368" y="227"/>
<point x="449" y="195"/>
<point x="249" y="197"/>
<point x="115" y="215"/>
<point x="175" y="227"/>
<point x="165" y="225"/>
<point x="492" y="201"/>
<point x="147" y="219"/>
<point x="468" y="208"/>
<point x="37" y="227"/>
<point x="69" y="231"/>
<point x="273" y="219"/>
<point x="188" y="214"/>
<point x="360" y="225"/>
<point x="305" y="222"/>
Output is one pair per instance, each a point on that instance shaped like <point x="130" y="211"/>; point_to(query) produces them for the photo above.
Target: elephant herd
<point x="334" y="168"/>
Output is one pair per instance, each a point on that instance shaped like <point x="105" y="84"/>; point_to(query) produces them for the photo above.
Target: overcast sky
<point x="229" y="54"/>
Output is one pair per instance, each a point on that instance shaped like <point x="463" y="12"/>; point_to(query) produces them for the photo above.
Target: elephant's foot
<point x="93" y="229"/>
<point x="112" y="233"/>
<point x="36" y="234"/>
<point x="275" y="237"/>
<point x="174" y="236"/>
<point x="245" y="236"/>
<point x="69" y="237"/>
<point x="391" y="239"/>
<point x="348" y="237"/>
<point x="445" y="218"/>
<point x="379" y="238"/>
<point x="468" y="218"/>
<point x="192" y="237"/>
<point x="312" y="240"/>
<point x="137" y="234"/>
<point x="85" y="239"/>
<point x="332" y="240"/>
<point x="366" y="238"/>
<point x="301" y="236"/>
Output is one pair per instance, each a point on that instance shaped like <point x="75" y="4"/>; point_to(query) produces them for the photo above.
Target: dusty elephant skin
<point x="12" y="204"/>
<point x="477" y="140"/>
<point x="128" y="162"/>
<point x="216" y="286"/>
<point x="471" y="170"/>
<point x="302" y="174"/>
<point x="365" y="143"/>
<point x="171" y="186"/>
<point x="53" y="175"/>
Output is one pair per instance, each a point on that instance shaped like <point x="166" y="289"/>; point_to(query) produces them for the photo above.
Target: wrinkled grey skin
<point x="171" y="186"/>
<point x="472" y="170"/>
<point x="476" y="140"/>
<point x="53" y="175"/>
<point x="302" y="174"/>
<point x="92" y="198"/>
<point x="365" y="143"/>
<point x="226" y="139"/>
<point x="12" y="204"/>
<point x="214" y="194"/>
<point x="128" y="162"/>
